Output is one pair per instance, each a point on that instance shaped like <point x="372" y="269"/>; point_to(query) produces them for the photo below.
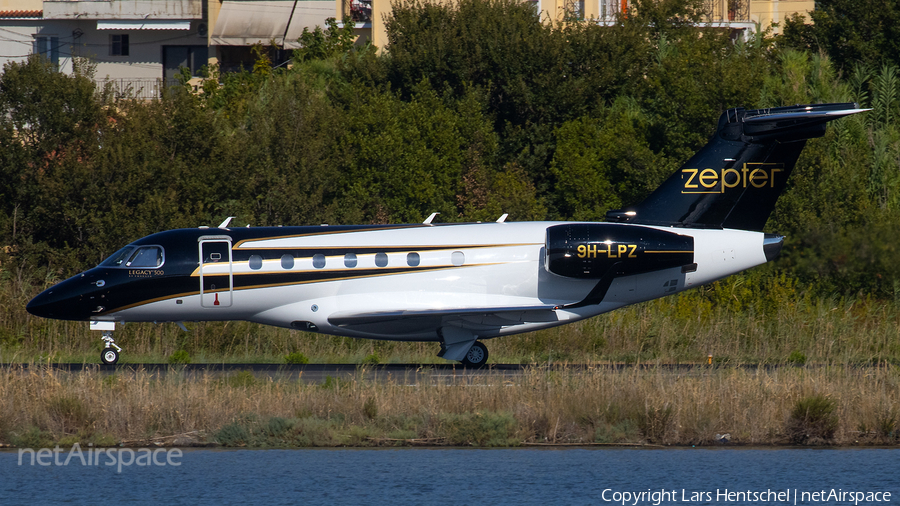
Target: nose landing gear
<point x="110" y="354"/>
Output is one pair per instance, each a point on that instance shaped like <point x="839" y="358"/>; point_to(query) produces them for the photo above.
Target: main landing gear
<point x="460" y="344"/>
<point x="476" y="356"/>
<point x="110" y="353"/>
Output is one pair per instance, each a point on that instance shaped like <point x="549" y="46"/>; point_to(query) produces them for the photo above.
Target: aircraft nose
<point x="62" y="301"/>
<point x="47" y="304"/>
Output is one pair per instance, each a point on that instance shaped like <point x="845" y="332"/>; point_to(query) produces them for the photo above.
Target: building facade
<point x="739" y="15"/>
<point x="138" y="44"/>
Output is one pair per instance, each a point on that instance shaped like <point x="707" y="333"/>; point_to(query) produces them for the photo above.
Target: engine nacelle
<point x="590" y="250"/>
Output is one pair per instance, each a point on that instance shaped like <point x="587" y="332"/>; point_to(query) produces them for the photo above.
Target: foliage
<point x="479" y="429"/>
<point x="180" y="357"/>
<point x="796" y="357"/>
<point x="849" y="33"/>
<point x="812" y="421"/>
<point x="333" y="41"/>
<point x="296" y="358"/>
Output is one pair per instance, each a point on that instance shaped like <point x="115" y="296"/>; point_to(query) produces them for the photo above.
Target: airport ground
<point x="787" y="368"/>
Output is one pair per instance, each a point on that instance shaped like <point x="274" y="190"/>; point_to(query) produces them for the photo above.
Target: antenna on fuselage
<point x="226" y="222"/>
<point x="502" y="219"/>
<point x="430" y="218"/>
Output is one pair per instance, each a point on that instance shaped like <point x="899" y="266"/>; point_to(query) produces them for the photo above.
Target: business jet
<point x="458" y="284"/>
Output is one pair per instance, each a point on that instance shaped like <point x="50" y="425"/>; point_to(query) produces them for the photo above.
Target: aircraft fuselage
<point x="491" y="278"/>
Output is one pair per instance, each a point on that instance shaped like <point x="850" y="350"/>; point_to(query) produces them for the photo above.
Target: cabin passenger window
<point x="457" y="258"/>
<point x="350" y="260"/>
<point x="318" y="260"/>
<point x="255" y="262"/>
<point x="381" y="259"/>
<point x="146" y="257"/>
<point x="412" y="259"/>
<point x="287" y="262"/>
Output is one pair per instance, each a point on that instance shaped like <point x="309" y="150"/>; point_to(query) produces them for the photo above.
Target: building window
<point x="118" y="44"/>
<point x="192" y="58"/>
<point x="48" y="47"/>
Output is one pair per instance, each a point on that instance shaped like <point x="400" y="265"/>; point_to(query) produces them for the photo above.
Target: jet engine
<point x="590" y="250"/>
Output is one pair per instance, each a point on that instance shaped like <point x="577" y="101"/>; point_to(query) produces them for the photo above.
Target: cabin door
<point x="216" y="272"/>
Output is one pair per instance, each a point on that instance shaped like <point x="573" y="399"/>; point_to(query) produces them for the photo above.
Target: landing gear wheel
<point x="109" y="356"/>
<point x="476" y="356"/>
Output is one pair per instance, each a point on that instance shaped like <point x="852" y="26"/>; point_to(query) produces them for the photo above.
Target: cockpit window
<point x="143" y="257"/>
<point x="118" y="258"/>
<point x="147" y="257"/>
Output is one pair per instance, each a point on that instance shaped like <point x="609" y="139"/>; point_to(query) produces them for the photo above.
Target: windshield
<point x="118" y="258"/>
<point x="145" y="257"/>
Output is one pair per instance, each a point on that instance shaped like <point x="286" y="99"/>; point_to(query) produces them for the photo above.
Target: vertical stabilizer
<point x="734" y="181"/>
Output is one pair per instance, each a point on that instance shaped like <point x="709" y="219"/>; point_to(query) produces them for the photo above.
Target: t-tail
<point x="734" y="181"/>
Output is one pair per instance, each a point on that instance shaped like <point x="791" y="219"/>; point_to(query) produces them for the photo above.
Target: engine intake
<point x="589" y="250"/>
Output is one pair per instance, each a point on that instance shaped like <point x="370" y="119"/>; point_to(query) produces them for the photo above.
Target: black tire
<point x="476" y="356"/>
<point x="109" y="356"/>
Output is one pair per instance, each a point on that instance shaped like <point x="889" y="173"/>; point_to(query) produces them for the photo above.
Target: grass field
<point x="844" y="387"/>
<point x="835" y="405"/>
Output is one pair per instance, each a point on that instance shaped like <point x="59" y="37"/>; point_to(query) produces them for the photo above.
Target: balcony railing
<point x="145" y="89"/>
<point x="723" y="11"/>
<point x="609" y="9"/>
<point x="714" y="11"/>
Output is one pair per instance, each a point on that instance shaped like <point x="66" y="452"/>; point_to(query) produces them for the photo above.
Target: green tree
<point x="849" y="32"/>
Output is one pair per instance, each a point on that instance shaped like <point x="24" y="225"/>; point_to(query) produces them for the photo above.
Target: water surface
<point x="442" y="476"/>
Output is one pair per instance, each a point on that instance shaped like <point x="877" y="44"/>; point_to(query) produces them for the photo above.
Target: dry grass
<point x="40" y="407"/>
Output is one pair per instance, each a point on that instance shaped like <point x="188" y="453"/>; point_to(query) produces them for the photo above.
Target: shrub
<point x="812" y="421"/>
<point x="654" y="423"/>
<point x="372" y="358"/>
<point x="69" y="414"/>
<point x="797" y="358"/>
<point x="278" y="427"/>
<point x="479" y="429"/>
<point x="296" y="358"/>
<point x="180" y="357"/>
<point x="242" y="379"/>
<point x="233" y="434"/>
<point x="31" y="437"/>
<point x="887" y="425"/>
<point x="370" y="408"/>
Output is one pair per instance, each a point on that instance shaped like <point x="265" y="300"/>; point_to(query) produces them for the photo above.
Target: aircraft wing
<point x="415" y="321"/>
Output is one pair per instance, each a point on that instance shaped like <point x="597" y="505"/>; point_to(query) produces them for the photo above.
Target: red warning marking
<point x="216" y="302"/>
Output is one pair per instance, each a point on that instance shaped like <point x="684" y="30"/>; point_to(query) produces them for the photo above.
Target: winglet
<point x="430" y="218"/>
